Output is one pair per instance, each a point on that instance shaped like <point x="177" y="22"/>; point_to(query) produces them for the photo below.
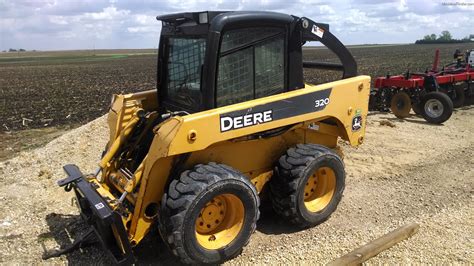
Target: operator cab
<point x="213" y="59"/>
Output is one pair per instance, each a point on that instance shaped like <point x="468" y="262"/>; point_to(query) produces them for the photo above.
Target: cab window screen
<point x="251" y="65"/>
<point x="235" y="38"/>
<point x="186" y="56"/>
<point x="235" y="78"/>
<point x="269" y="71"/>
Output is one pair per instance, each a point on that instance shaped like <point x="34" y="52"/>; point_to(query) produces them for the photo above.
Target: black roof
<point x="193" y="16"/>
<point x="180" y="18"/>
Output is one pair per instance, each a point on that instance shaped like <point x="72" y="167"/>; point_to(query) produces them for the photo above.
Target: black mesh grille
<point x="269" y="61"/>
<point x="235" y="78"/>
<point x="236" y="38"/>
<point x="184" y="68"/>
<point x="255" y="71"/>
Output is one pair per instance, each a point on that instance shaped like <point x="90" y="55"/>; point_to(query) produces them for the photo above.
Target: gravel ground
<point x="406" y="171"/>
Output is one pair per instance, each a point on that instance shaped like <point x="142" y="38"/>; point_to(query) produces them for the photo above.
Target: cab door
<point x="251" y="64"/>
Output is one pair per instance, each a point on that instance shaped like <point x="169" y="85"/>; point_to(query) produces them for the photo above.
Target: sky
<point x="114" y="24"/>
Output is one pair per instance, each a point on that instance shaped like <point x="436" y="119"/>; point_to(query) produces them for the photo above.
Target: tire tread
<point x="284" y="184"/>
<point x="183" y="192"/>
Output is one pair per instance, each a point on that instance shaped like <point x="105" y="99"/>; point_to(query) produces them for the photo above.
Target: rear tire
<point x="209" y="214"/>
<point x="469" y="100"/>
<point x="417" y="109"/>
<point x="469" y="93"/>
<point x="400" y="104"/>
<point x="308" y="184"/>
<point x="437" y="107"/>
<point x="458" y="100"/>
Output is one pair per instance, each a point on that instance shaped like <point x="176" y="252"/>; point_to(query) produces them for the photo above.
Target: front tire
<point x="437" y="107"/>
<point x="209" y="214"/>
<point x="308" y="184"/>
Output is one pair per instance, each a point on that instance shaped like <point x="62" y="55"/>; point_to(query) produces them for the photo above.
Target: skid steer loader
<point x="231" y="117"/>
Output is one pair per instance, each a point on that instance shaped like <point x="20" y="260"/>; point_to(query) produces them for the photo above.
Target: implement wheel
<point x="469" y="93"/>
<point x="458" y="95"/>
<point x="209" y="214"/>
<point x="400" y="104"/>
<point x="437" y="107"/>
<point x="308" y="184"/>
<point x="417" y="109"/>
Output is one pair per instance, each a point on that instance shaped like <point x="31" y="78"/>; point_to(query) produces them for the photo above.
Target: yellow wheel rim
<point x="220" y="221"/>
<point x="319" y="189"/>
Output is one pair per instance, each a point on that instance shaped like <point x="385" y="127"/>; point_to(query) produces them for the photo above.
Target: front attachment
<point x="105" y="223"/>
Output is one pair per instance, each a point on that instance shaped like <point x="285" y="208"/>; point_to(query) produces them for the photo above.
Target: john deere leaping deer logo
<point x="357" y="123"/>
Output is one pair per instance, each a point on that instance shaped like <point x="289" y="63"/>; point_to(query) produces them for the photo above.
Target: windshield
<point x="185" y="60"/>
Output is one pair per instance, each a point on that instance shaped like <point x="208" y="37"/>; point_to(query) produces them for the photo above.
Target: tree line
<point x="444" y="37"/>
<point x="15" y="50"/>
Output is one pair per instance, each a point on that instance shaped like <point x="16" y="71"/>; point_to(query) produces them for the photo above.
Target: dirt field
<point x="60" y="88"/>
<point x="411" y="172"/>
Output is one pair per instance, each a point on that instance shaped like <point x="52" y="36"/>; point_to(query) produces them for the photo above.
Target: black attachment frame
<point x="105" y="223"/>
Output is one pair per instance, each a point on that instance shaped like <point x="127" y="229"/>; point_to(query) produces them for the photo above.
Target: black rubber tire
<point x="292" y="173"/>
<point x="186" y="196"/>
<point x="469" y="100"/>
<point x="416" y="108"/>
<point x="469" y="94"/>
<point x="400" y="104"/>
<point x="442" y="99"/>
<point x="458" y="101"/>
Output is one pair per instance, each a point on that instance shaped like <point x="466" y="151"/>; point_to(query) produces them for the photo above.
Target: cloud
<point x="54" y="24"/>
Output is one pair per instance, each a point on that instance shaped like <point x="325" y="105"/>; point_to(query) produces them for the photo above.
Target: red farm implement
<point x="432" y="94"/>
